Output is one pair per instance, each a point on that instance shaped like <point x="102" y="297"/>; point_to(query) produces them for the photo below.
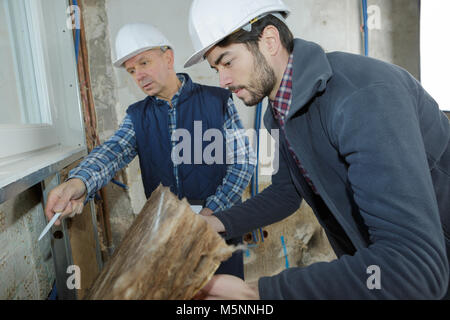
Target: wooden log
<point x="169" y="252"/>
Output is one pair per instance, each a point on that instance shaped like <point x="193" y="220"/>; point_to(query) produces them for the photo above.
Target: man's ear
<point x="169" y="58"/>
<point x="270" y="42"/>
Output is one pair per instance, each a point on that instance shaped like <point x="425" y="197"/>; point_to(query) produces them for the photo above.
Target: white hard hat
<point x="135" y="38"/>
<point x="211" y="21"/>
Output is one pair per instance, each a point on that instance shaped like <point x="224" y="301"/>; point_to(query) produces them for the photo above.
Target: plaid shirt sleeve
<point x="102" y="163"/>
<point x="243" y="161"/>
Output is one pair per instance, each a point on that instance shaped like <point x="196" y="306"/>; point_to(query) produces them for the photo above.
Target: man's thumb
<point x="61" y="204"/>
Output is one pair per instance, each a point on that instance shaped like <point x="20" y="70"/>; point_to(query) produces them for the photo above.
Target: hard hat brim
<point x="119" y="62"/>
<point x="199" y="55"/>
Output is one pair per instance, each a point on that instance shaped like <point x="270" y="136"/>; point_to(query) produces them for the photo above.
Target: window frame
<point x="31" y="152"/>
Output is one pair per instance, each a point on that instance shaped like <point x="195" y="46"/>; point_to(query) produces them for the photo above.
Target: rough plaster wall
<point x="26" y="266"/>
<point x="104" y="91"/>
<point x="335" y="26"/>
<point x="398" y="39"/>
<point x="332" y="24"/>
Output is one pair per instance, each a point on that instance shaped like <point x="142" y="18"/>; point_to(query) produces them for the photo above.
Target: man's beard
<point x="262" y="82"/>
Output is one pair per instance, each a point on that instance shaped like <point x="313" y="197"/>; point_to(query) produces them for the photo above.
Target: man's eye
<point x="227" y="64"/>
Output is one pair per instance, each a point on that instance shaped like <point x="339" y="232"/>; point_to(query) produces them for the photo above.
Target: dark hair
<point x="251" y="38"/>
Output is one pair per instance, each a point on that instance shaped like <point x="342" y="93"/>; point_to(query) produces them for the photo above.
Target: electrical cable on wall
<point x="365" y="28"/>
<point x="77" y="32"/>
<point x="77" y="52"/>
<point x="254" y="181"/>
<point x="285" y="252"/>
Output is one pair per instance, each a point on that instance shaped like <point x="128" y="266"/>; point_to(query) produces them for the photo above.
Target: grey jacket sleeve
<point x="377" y="131"/>
<point x="273" y="204"/>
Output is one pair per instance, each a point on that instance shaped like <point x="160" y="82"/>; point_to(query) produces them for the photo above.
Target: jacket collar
<point x="311" y="72"/>
<point x="187" y="89"/>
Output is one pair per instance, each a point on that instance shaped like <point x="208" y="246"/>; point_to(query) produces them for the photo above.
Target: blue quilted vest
<point x="150" y="119"/>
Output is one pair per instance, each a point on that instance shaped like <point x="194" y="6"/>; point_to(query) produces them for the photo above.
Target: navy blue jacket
<point x="376" y="147"/>
<point x="197" y="180"/>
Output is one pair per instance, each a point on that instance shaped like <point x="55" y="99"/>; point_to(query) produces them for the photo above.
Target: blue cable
<point x="53" y="294"/>
<point x="255" y="236"/>
<point x="258" y="127"/>
<point x="120" y="184"/>
<point x="77" y="51"/>
<point x="254" y="181"/>
<point x="77" y="32"/>
<point x="285" y="252"/>
<point x="366" y="29"/>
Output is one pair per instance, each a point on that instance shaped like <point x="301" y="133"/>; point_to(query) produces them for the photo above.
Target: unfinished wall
<point x="26" y="265"/>
<point x="335" y="25"/>
<point x="104" y="87"/>
<point x="398" y="39"/>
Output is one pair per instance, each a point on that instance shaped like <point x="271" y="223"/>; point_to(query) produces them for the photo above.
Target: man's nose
<point x="224" y="79"/>
<point x="140" y="74"/>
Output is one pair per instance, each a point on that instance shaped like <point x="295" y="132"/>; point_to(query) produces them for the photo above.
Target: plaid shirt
<point x="101" y="165"/>
<point x="280" y="108"/>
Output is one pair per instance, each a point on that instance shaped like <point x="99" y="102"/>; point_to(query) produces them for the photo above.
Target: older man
<point x="173" y="104"/>
<point x="360" y="140"/>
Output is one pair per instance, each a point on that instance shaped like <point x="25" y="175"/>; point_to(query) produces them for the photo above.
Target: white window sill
<point x="24" y="171"/>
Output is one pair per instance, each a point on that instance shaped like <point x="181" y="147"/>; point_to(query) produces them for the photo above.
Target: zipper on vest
<point x="175" y="167"/>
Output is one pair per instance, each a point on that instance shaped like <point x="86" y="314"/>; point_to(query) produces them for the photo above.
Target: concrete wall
<point x="109" y="115"/>
<point x="26" y="265"/>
